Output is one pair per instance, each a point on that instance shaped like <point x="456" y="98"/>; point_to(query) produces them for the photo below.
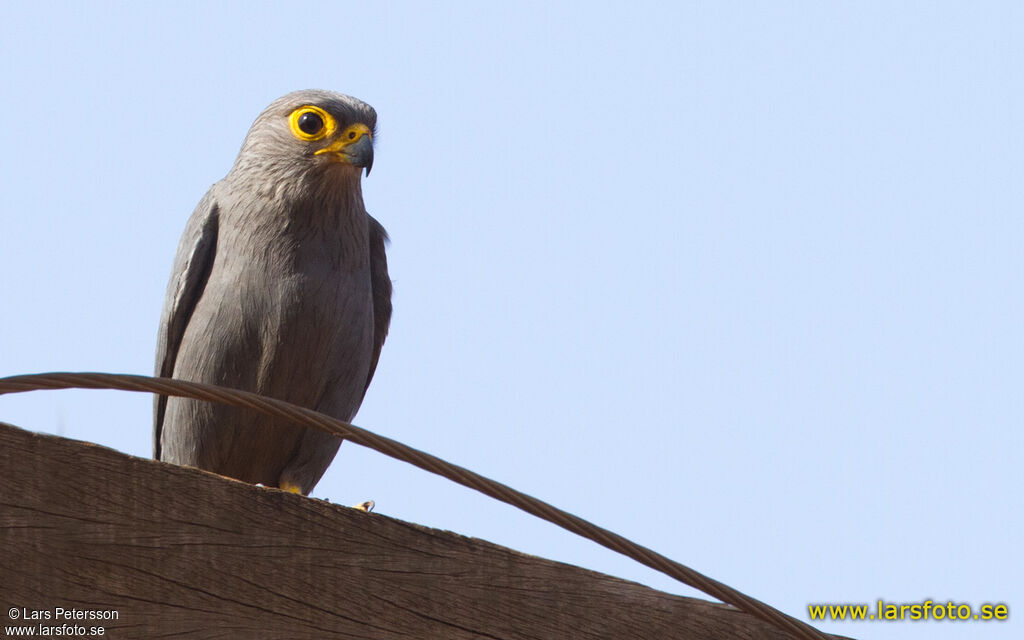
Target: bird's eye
<point x="311" y="123"/>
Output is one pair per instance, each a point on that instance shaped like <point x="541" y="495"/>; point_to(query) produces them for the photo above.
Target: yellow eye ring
<point x="311" y="123"/>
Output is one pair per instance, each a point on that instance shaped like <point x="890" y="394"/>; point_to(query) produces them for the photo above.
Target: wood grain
<point x="180" y="553"/>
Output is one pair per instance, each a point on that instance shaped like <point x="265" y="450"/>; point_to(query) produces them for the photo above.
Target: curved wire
<point x="425" y="461"/>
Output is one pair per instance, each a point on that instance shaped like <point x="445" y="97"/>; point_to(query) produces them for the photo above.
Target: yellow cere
<point x="350" y="135"/>
<point x="329" y="123"/>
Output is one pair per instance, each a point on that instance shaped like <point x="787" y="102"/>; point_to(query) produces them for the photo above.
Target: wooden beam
<point x="177" y="552"/>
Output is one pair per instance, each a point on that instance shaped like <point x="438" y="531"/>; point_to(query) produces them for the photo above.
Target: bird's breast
<point x="313" y="312"/>
<point x="300" y="299"/>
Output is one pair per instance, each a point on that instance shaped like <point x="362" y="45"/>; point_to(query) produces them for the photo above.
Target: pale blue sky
<point x="740" y="281"/>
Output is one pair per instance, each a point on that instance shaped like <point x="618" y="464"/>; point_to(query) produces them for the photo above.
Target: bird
<point x="280" y="286"/>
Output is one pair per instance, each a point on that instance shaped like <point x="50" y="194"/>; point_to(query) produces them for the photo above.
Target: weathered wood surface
<point x="186" y="554"/>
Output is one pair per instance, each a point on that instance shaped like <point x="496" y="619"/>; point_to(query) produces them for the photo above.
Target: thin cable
<point x="425" y="461"/>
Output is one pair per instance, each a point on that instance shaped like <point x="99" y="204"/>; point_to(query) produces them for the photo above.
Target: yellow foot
<point x="290" y="488"/>
<point x="364" y="506"/>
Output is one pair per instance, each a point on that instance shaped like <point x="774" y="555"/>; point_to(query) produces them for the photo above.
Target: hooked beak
<point x="354" y="146"/>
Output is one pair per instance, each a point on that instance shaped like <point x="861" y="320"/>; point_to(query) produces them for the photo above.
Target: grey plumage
<point x="280" y="286"/>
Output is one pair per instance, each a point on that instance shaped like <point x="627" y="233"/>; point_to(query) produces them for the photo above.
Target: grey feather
<point x="381" y="291"/>
<point x="280" y="286"/>
<point x="191" y="269"/>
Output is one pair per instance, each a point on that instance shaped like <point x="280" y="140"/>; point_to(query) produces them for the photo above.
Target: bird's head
<point x="309" y="132"/>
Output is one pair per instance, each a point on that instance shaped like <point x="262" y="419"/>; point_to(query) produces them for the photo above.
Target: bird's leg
<point x="294" y="488"/>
